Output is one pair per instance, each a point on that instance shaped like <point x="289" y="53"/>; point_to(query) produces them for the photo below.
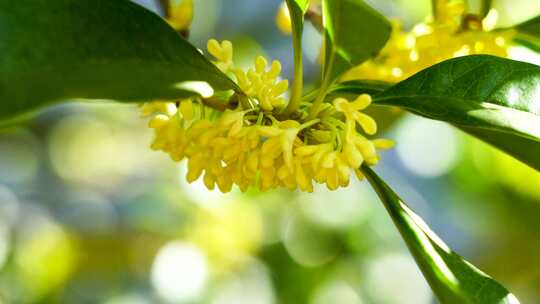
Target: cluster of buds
<point x="260" y="82"/>
<point x="452" y="34"/>
<point x="246" y="145"/>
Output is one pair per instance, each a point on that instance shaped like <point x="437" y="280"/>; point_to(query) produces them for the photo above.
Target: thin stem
<point x="298" y="82"/>
<point x="309" y="123"/>
<point x="316" y="106"/>
<point x="434" y="9"/>
<point x="326" y="80"/>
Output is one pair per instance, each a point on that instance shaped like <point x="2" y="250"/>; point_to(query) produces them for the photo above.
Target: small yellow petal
<point x="260" y="64"/>
<point x="283" y="19"/>
<point x="186" y="108"/>
<point x="366" y="122"/>
<point x="382" y="143"/>
<point x="214" y="48"/>
<point x="158" y="121"/>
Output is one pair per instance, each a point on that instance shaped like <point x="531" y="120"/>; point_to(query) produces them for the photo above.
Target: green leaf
<point x="530" y="27"/>
<point x="532" y="43"/>
<point x="452" y="279"/>
<point x="485" y="7"/>
<point x="94" y="49"/>
<point x="492" y="98"/>
<point x="297" y="9"/>
<point x="352" y="88"/>
<point x="353" y="33"/>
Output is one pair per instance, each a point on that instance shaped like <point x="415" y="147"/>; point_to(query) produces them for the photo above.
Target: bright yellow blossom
<point x="283" y="19"/>
<point x="263" y="84"/>
<point x="180" y="14"/>
<point x="223" y="52"/>
<point x="247" y="146"/>
<point x="453" y="34"/>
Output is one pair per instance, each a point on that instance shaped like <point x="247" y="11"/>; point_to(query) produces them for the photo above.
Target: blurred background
<point x="89" y="214"/>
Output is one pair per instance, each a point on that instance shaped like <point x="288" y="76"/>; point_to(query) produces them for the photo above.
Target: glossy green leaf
<point x="353" y="33"/>
<point x="351" y="89"/>
<point x="94" y="49"/>
<point x="452" y="279"/>
<point x="493" y="98"/>
<point x="485" y="7"/>
<point x="530" y="27"/>
<point x="297" y="8"/>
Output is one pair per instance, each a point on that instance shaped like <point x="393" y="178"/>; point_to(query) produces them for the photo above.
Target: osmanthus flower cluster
<point x="452" y="34"/>
<point x="253" y="143"/>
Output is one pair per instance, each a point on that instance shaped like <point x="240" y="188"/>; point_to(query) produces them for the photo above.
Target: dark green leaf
<point x="351" y="89"/>
<point x="521" y="148"/>
<point x="485" y="7"/>
<point x="93" y="49"/>
<point x="530" y="27"/>
<point x="353" y="33"/>
<point x="532" y="43"/>
<point x="297" y="9"/>
<point x="296" y="6"/>
<point x="452" y="279"/>
<point x="483" y="95"/>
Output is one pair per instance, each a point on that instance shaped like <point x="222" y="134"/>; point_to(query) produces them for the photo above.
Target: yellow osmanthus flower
<point x="180" y="14"/>
<point x="428" y="43"/>
<point x="246" y="145"/>
<point x="263" y="83"/>
<point x="223" y="52"/>
<point x="283" y="19"/>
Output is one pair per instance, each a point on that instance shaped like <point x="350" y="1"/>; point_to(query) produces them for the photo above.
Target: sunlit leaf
<point x="353" y="33"/>
<point x="483" y="95"/>
<point x="93" y="49"/>
<point x="452" y="279"/>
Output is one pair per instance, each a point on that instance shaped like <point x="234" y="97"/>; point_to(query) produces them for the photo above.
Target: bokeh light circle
<point x="179" y="272"/>
<point x="426" y="147"/>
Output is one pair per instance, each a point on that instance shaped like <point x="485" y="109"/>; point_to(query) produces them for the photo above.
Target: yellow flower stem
<point x="335" y="133"/>
<point x="298" y="82"/>
<point x="336" y="122"/>
<point x="326" y="82"/>
<point x="273" y="119"/>
<point x="316" y="106"/>
<point x="260" y="118"/>
<point x="309" y="123"/>
<point x="434" y="9"/>
<point x="203" y="109"/>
